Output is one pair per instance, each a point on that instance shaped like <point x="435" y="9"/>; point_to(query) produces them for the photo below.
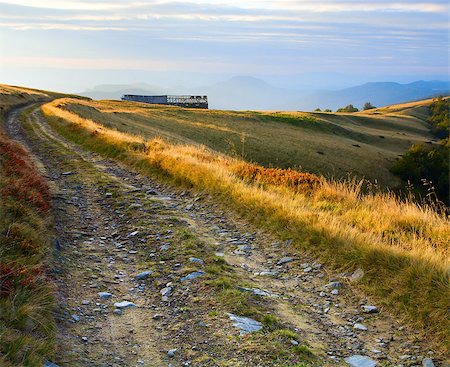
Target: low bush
<point x="439" y="118"/>
<point x="350" y="109"/>
<point x="299" y="181"/>
<point x="427" y="167"/>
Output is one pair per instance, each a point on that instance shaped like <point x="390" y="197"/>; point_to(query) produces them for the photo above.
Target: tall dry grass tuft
<point x="401" y="246"/>
<point x="291" y="178"/>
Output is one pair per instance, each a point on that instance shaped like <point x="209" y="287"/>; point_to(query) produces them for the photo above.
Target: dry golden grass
<point x="399" y="107"/>
<point x="409" y="110"/>
<point x="12" y="90"/>
<point x="94" y="128"/>
<point x="402" y="247"/>
<point x="334" y="145"/>
<point x="11" y="96"/>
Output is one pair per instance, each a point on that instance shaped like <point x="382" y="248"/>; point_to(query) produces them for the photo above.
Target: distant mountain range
<point x="244" y="93"/>
<point x="115" y="91"/>
<point x="248" y="93"/>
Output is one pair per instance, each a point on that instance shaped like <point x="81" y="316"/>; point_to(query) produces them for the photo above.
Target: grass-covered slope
<point x="26" y="294"/>
<point x="333" y="145"/>
<point x="11" y="96"/>
<point x="402" y="247"/>
<point x="418" y="109"/>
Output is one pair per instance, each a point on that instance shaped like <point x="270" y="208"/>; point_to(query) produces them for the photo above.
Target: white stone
<point x="360" y="327"/>
<point x="124" y="304"/>
<point x="360" y="361"/>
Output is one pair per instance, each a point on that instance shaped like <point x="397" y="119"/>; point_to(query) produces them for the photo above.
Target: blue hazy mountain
<point x="245" y="92"/>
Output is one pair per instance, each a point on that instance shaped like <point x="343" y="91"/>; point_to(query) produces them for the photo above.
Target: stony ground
<point x="153" y="275"/>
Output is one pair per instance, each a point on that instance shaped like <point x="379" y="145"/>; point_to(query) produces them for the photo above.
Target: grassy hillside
<point x="11" y="96"/>
<point x="402" y="247"/>
<point x="417" y="109"/>
<point x="27" y="331"/>
<point x="335" y="145"/>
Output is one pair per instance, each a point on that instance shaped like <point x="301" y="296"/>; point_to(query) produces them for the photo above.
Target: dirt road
<point x="124" y="245"/>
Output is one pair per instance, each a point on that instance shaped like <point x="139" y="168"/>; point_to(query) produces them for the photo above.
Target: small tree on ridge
<point x="368" y="106"/>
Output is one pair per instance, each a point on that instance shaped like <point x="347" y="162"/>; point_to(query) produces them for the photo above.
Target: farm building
<point x="181" y="101"/>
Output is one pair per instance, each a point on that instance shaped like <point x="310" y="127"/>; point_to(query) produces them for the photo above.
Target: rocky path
<point x="152" y="275"/>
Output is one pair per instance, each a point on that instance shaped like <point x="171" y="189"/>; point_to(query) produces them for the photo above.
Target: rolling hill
<point x="332" y="144"/>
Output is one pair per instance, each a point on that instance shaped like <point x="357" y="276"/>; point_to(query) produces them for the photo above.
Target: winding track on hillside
<point x="110" y="223"/>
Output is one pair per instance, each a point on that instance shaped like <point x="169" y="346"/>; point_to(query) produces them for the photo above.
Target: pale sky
<point x="72" y="45"/>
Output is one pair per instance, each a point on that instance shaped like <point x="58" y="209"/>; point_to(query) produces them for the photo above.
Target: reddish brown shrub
<point x="22" y="181"/>
<point x="13" y="276"/>
<point x="296" y="180"/>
